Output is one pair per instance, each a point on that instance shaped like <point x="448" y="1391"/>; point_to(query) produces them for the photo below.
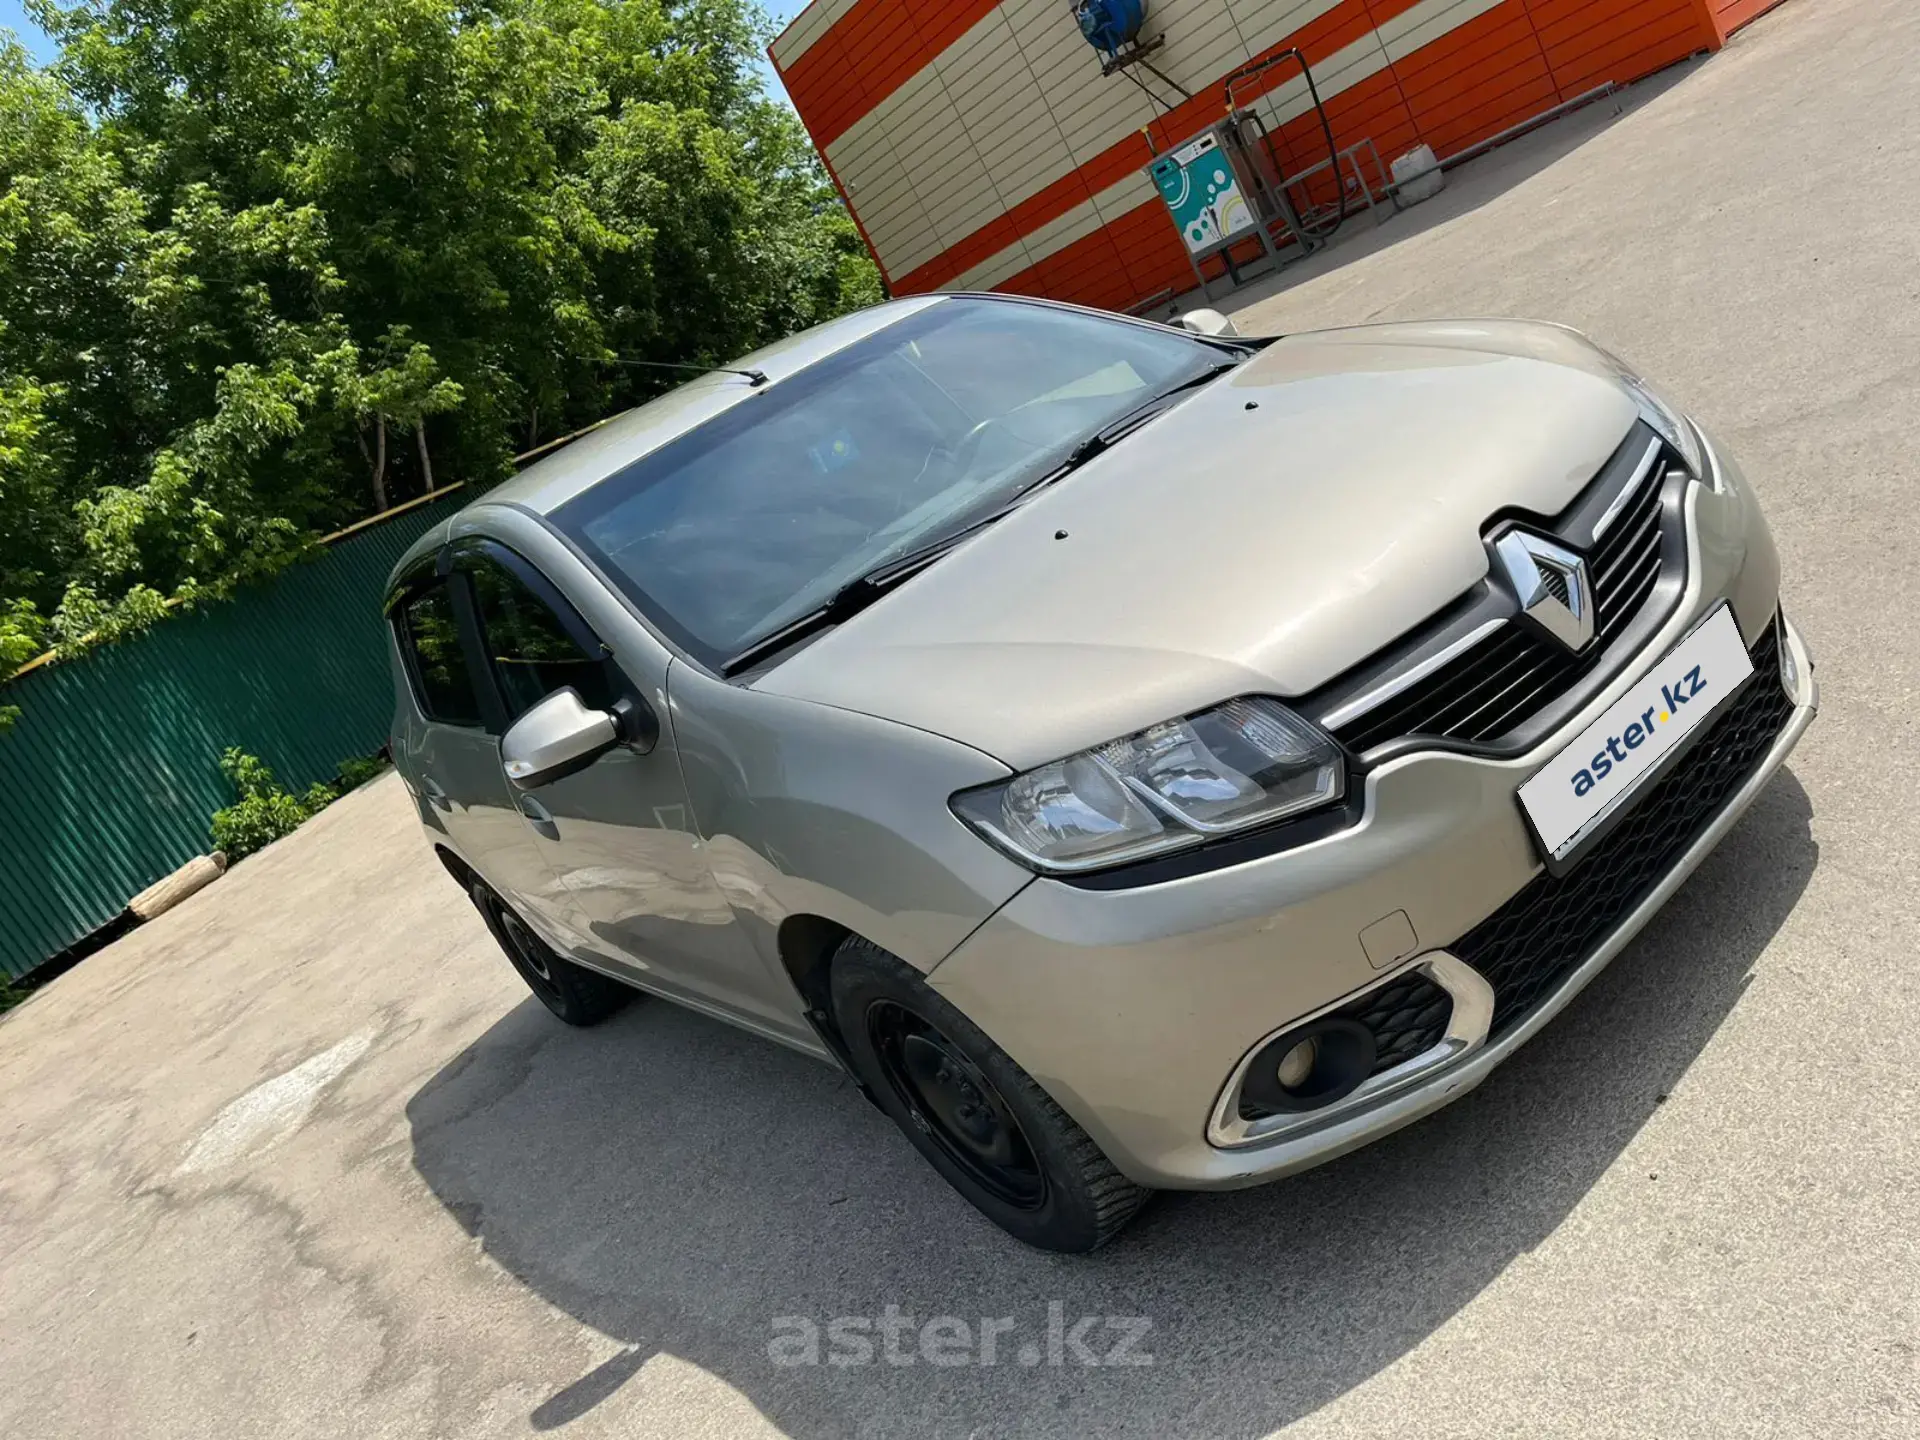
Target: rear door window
<point x="430" y="639"/>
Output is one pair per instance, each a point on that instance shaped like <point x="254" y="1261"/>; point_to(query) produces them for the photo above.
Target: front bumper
<point x="1135" y="1007"/>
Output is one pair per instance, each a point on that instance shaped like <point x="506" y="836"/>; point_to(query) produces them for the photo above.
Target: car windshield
<point x="760" y="515"/>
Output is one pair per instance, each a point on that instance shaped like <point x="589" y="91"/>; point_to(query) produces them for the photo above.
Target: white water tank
<point x="1417" y="176"/>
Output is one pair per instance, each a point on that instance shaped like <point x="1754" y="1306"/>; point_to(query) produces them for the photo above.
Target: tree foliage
<point x="269" y="265"/>
<point x="262" y="812"/>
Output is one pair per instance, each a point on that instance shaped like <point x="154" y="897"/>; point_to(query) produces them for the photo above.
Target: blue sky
<point x="781" y="10"/>
<point x="13" y="18"/>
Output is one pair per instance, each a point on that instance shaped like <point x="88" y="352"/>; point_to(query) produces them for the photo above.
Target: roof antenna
<point x="754" y="377"/>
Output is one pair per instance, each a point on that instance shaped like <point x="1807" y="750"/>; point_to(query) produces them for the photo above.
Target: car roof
<point x="547" y="484"/>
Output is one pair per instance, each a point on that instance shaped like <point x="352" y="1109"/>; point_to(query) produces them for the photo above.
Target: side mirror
<point x="556" y="738"/>
<point x="1208" y="322"/>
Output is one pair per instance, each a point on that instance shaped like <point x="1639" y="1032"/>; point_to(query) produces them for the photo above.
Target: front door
<point x="450" y="745"/>
<point x="619" y="834"/>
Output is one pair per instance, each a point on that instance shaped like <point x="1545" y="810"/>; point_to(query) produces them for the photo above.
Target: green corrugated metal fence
<point x="108" y="777"/>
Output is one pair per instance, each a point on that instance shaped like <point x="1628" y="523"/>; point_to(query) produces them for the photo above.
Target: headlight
<point x="1245" y="763"/>
<point x="1665" y="418"/>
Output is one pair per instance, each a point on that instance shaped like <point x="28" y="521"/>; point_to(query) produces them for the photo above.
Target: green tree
<point x="400" y="393"/>
<point x="267" y="265"/>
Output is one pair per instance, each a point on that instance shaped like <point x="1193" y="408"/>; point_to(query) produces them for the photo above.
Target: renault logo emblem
<point x="1551" y="584"/>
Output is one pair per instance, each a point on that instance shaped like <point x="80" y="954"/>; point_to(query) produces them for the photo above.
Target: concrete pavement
<point x="301" y="1157"/>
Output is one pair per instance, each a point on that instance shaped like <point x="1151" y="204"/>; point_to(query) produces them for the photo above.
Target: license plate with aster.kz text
<point x="1599" y="774"/>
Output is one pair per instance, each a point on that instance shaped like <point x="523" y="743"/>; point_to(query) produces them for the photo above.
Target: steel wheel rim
<point x="527" y="951"/>
<point x="952" y="1103"/>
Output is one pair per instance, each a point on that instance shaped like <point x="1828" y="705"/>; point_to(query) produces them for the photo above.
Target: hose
<point x="1326" y="128"/>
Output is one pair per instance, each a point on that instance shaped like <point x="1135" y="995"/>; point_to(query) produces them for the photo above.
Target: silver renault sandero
<point x="1142" y="757"/>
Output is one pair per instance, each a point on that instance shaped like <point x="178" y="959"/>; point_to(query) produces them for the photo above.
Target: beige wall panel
<point x="808" y="26"/>
<point x="1124" y="195"/>
<point x="1203" y="41"/>
<point x="1082" y="220"/>
<point x="1265" y="23"/>
<point x="883" y="193"/>
<point x="955" y="192"/>
<point x="1006" y="114"/>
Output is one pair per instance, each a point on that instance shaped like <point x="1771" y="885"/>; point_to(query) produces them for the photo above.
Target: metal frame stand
<point x="1121" y="62"/>
<point x="1351" y="160"/>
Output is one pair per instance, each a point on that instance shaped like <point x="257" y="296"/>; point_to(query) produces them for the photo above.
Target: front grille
<point x="1527" y="946"/>
<point x="1504" y="681"/>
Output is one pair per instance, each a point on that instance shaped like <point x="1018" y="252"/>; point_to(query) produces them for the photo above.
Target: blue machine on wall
<point x="1109" y="24"/>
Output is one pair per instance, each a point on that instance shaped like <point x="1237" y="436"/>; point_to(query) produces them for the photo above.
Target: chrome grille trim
<point x="1384" y="692"/>
<point x="1477" y="676"/>
<point x="1628" y="490"/>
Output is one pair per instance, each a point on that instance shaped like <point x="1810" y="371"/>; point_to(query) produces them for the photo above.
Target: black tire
<point x="978" y="1118"/>
<point x="575" y="994"/>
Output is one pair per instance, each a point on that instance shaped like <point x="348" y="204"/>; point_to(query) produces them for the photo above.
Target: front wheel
<point x="978" y="1118"/>
<point x="577" y="995"/>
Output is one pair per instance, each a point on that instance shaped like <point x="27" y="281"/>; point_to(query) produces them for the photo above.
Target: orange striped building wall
<point x="979" y="147"/>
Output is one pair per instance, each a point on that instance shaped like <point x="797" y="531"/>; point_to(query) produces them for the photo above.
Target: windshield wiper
<point x="861" y="591"/>
<point x="1110" y="434"/>
<point x="849" y="600"/>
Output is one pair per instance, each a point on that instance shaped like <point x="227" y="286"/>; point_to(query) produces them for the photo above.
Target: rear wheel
<point x="577" y="995"/>
<point x="978" y="1118"/>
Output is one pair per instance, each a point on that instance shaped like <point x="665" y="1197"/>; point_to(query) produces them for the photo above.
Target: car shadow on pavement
<point x="689" y="1190"/>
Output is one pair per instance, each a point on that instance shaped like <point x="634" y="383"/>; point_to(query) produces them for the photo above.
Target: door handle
<point x="541" y="817"/>
<point x="431" y="792"/>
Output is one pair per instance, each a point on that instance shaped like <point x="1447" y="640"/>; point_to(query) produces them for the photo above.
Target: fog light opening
<point x="1789" y="667"/>
<point x="1296" y="1066"/>
<point x="1323" y="1061"/>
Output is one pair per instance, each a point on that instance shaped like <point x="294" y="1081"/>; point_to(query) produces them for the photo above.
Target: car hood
<point x="1261" y="537"/>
